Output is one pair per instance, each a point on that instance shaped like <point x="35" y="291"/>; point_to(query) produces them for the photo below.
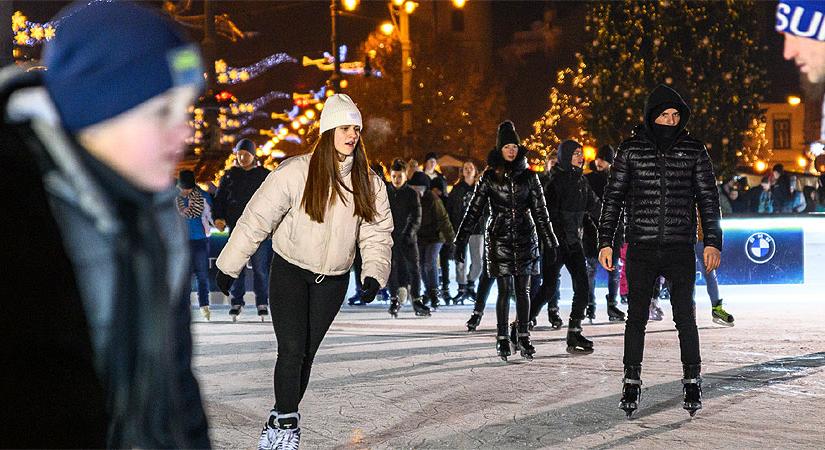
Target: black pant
<point x="644" y="265"/>
<point x="521" y="284"/>
<point x="303" y="304"/>
<point x="571" y="257"/>
<point x="485" y="283"/>
<point x="444" y="262"/>
<point x="405" y="269"/>
<point x="356" y="268"/>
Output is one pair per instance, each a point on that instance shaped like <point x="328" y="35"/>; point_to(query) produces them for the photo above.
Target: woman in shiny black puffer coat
<point x="518" y="216"/>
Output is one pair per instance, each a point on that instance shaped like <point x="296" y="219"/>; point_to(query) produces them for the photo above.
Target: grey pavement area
<point x="411" y="382"/>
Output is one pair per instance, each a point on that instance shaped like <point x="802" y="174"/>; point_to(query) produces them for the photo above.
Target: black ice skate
<point x="432" y="296"/>
<point x="394" y="307"/>
<point x="632" y="390"/>
<point x="503" y="343"/>
<point x="614" y="314"/>
<point x="444" y="294"/>
<point x="461" y="295"/>
<point x="576" y="343"/>
<point x="555" y="319"/>
<point x="523" y="344"/>
<point x="420" y="309"/>
<point x="263" y="312"/>
<point x="471" y="291"/>
<point x="475" y="320"/>
<point x="692" y="389"/>
<point x="235" y="311"/>
<point x="591" y="313"/>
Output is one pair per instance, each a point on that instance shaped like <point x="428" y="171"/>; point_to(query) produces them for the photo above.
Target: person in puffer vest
<point x="659" y="178"/>
<point x="318" y="207"/>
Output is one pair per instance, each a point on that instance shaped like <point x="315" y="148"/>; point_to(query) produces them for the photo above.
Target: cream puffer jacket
<point x="323" y="248"/>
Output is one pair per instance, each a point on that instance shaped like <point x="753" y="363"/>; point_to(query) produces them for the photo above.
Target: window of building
<point x="458" y="21"/>
<point x="781" y="134"/>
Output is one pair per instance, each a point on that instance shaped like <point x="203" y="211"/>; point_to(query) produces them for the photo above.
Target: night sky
<point x="302" y="28"/>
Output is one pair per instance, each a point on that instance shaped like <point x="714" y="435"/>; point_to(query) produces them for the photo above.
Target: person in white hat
<point x="318" y="208"/>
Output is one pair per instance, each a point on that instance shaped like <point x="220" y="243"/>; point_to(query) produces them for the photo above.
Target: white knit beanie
<point x="339" y="110"/>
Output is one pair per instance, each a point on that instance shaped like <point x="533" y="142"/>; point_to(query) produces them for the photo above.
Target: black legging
<point x="522" y="289"/>
<point x="485" y="283"/>
<point x="303" y="305"/>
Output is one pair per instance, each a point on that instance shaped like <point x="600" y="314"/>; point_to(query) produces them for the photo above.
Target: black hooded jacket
<point x="659" y="189"/>
<point x="406" y="214"/>
<point x="569" y="198"/>
<point x="518" y="215"/>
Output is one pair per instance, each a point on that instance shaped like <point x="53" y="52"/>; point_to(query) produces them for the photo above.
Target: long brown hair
<point x="324" y="184"/>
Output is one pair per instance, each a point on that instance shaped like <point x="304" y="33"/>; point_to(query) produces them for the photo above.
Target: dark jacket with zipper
<point x="518" y="216"/>
<point x="236" y="189"/>
<point x="459" y="202"/>
<point x="406" y="214"/>
<point x="569" y="198"/>
<point x="660" y="187"/>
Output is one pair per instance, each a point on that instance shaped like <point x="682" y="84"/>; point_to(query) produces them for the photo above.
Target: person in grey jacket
<point x="97" y="253"/>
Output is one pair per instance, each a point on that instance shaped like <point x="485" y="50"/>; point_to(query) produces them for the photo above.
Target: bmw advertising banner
<point x="761" y="256"/>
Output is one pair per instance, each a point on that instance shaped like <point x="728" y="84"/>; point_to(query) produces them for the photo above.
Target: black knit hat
<point x="605" y="153"/>
<point x="246" y="145"/>
<point x="506" y="135"/>
<point x="186" y="179"/>
<point x="431" y="155"/>
<point x="419" y="179"/>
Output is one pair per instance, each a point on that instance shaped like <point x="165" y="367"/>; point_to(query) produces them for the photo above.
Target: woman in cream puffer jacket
<point x="317" y="207"/>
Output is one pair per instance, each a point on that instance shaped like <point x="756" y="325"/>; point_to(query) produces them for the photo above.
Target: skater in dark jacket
<point x="235" y="190"/>
<point x="458" y="203"/>
<point x="659" y="178"/>
<point x="569" y="199"/>
<point x="435" y="230"/>
<point x="405" y="275"/>
<point x="517" y="213"/>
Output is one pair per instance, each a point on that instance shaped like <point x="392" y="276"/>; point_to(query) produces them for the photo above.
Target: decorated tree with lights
<point x="455" y="110"/>
<point x="708" y="51"/>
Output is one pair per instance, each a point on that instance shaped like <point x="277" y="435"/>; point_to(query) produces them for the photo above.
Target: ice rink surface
<point x="411" y="382"/>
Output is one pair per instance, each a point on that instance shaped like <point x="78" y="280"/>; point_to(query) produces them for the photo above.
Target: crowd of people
<point x="778" y="192"/>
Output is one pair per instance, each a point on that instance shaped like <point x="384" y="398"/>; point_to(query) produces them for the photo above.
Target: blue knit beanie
<point x="803" y="18"/>
<point x="109" y="57"/>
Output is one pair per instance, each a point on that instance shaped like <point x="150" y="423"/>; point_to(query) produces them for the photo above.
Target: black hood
<point x="661" y="98"/>
<point x="497" y="161"/>
<point x="565" y="153"/>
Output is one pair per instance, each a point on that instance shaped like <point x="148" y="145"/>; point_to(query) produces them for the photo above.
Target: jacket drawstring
<point x="320" y="278"/>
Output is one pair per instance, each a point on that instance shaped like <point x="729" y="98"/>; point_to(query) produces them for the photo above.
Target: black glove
<point x="369" y="289"/>
<point x="224" y="282"/>
<point x="460" y="252"/>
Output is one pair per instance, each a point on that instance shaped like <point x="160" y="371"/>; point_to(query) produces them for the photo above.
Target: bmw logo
<point x="760" y="247"/>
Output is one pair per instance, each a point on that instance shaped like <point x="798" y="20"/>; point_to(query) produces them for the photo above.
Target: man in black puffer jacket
<point x="659" y="177"/>
<point x="569" y="199"/>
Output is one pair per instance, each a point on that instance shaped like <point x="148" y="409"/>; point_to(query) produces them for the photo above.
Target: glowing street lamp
<point x="351" y="5"/>
<point x="409" y="7"/>
<point x="387" y="28"/>
<point x="459" y="3"/>
<point x="760" y="166"/>
<point x="794" y="100"/>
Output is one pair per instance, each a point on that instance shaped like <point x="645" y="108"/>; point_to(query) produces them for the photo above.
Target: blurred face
<point x="578" y="158"/>
<point x="509" y="152"/>
<point x="766" y="186"/>
<point x="669" y="117"/>
<point x="144" y="144"/>
<point x="398" y="178"/>
<point x="429" y="165"/>
<point x="551" y="161"/>
<point x="734" y="194"/>
<point x="469" y="171"/>
<point x="184" y="192"/>
<point x="602" y="165"/>
<point x="808" y="54"/>
<point x="245" y="159"/>
<point x="346" y="138"/>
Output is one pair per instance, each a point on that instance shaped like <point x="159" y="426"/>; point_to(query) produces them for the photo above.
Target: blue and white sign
<point x="760" y="247"/>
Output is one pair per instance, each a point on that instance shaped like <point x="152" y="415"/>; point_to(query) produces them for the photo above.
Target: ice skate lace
<point x="267" y="440"/>
<point x="287" y="439"/>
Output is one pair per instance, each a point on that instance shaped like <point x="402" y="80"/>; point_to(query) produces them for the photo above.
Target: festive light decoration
<point x="233" y="75"/>
<point x="28" y="33"/>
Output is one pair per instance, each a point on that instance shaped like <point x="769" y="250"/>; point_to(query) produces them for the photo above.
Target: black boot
<point x="459" y="297"/>
<point x="692" y="388"/>
<point x="394" y="307"/>
<point x="513" y="334"/>
<point x="523" y="344"/>
<point x="420" y="308"/>
<point x="591" y="313"/>
<point x="444" y="293"/>
<point x="432" y="296"/>
<point x="555" y="319"/>
<point x="576" y="343"/>
<point x="632" y="390"/>
<point x="503" y="342"/>
<point x="614" y="314"/>
<point x="471" y="291"/>
<point x="475" y="320"/>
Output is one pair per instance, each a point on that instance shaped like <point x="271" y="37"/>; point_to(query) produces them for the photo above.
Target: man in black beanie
<point x="597" y="179"/>
<point x="660" y="176"/>
<point x="234" y="191"/>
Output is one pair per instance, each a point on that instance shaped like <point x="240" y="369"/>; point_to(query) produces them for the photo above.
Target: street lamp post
<point x="335" y="79"/>
<point x="406" y="81"/>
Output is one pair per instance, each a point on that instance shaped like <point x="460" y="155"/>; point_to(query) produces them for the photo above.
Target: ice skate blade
<point x="578" y="350"/>
<point x="527" y="356"/>
<point x="471" y="329"/>
<point x="615" y="319"/>
<point x="693" y="409"/>
<point x="719" y="321"/>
